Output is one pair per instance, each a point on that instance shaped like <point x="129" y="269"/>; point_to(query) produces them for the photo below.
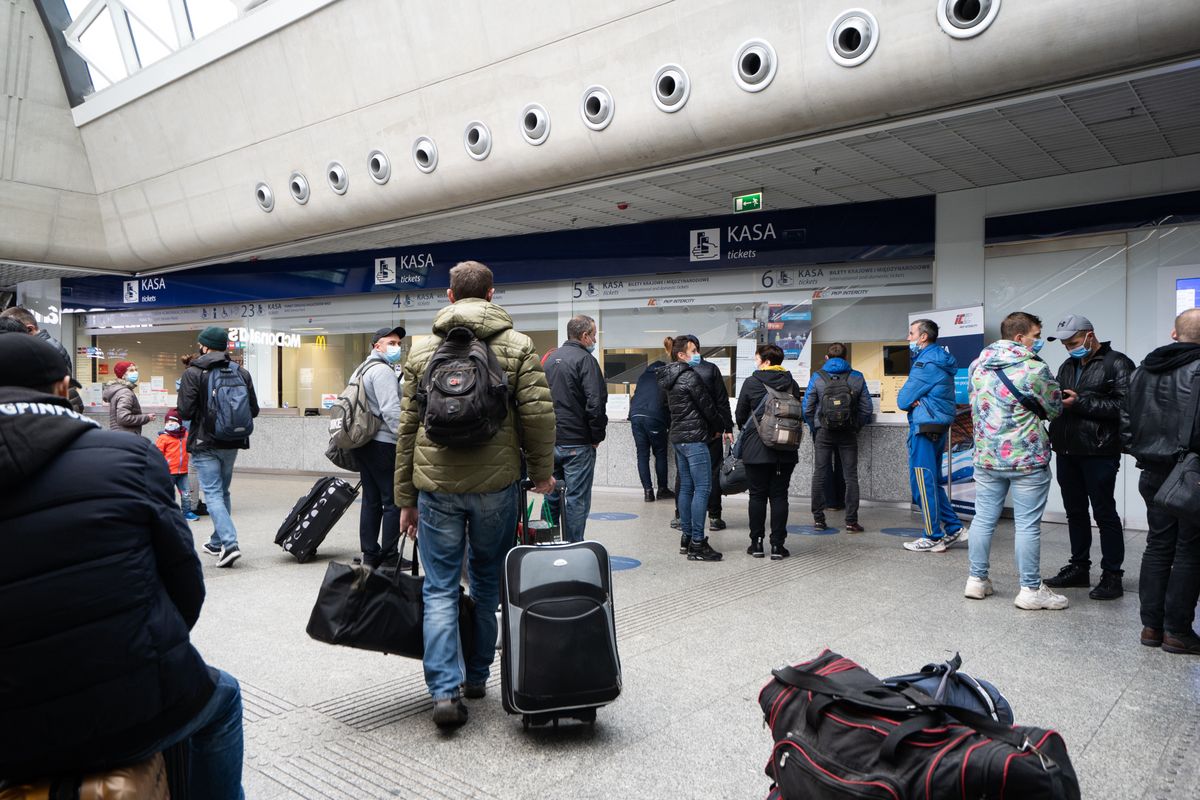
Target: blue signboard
<point x="881" y="231"/>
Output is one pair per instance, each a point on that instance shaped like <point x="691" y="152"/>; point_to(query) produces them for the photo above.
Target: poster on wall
<point x="960" y="333"/>
<point x="1187" y="294"/>
<point x="747" y="343"/>
<point x="790" y="327"/>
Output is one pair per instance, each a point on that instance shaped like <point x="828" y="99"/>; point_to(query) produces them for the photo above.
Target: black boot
<point x="702" y="551"/>
<point x="779" y="552"/>
<point x="1071" y="576"/>
<point x="716" y="523"/>
<point x="756" y="547"/>
<point x="649" y="494"/>
<point x="666" y="494"/>
<point x="1109" y="587"/>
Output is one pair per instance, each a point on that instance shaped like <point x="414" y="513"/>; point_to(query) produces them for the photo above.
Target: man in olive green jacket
<point x="453" y="497"/>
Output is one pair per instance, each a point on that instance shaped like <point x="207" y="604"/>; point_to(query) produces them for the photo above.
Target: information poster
<point x="960" y="332"/>
<point x="747" y="343"/>
<point x="790" y="327"/>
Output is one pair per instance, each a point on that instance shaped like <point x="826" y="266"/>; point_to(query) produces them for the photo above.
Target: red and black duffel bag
<point x="840" y="732"/>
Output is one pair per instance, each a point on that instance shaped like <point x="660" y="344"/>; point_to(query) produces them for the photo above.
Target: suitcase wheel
<point x="525" y="721"/>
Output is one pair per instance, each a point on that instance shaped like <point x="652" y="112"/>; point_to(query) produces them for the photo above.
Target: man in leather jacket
<point x="1158" y="424"/>
<point x="1086" y="440"/>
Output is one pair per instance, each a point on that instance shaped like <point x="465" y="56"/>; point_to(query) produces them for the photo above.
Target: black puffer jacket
<point x="753" y="391"/>
<point x="711" y="375"/>
<point x="694" y="416"/>
<point x="193" y="402"/>
<point x="1091" y="427"/>
<point x="580" y="395"/>
<point x="1155" y="411"/>
<point x="97" y="594"/>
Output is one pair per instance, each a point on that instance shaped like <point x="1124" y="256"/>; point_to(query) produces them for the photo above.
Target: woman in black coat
<point x="768" y="471"/>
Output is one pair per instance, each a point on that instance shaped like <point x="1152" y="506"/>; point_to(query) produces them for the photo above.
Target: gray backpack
<point x="780" y="420"/>
<point x="352" y="424"/>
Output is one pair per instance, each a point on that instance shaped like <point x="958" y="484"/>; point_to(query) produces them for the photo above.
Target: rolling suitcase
<point x="559" y="655"/>
<point x="314" y="515"/>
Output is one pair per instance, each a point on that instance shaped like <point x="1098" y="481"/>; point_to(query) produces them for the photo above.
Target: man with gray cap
<point x="379" y="519"/>
<point x="217" y="396"/>
<point x="1087" y="441"/>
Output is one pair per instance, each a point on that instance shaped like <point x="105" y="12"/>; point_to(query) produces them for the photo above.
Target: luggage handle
<point x="415" y="571"/>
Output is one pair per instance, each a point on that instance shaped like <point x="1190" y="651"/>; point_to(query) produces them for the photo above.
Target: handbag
<point x="364" y="608"/>
<point x="732" y="474"/>
<point x="1180" y="493"/>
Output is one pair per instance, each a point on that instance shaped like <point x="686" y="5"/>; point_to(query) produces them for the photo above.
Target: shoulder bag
<point x="1180" y="493"/>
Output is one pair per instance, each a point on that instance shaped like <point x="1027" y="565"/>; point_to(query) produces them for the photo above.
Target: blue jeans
<point x="925" y="461"/>
<point x="214" y="468"/>
<point x="1029" y="493"/>
<point x="695" y="484"/>
<point x="185" y="491"/>
<point x="650" y="435"/>
<point x="447" y="524"/>
<point x="215" y="744"/>
<point x="575" y="465"/>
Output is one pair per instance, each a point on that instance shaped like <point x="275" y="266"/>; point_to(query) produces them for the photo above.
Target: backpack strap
<point x="1025" y="401"/>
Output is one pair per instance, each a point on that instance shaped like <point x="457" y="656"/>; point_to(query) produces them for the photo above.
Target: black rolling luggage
<point x="314" y="515"/>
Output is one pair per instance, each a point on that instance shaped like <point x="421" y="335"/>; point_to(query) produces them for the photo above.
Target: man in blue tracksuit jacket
<point x="928" y="397"/>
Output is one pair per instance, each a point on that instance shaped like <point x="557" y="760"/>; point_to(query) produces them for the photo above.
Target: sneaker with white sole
<point x="211" y="549"/>
<point x="922" y="545"/>
<point x="978" y="588"/>
<point x="1040" y="598"/>
<point x="228" y="556"/>
<point x="949" y="540"/>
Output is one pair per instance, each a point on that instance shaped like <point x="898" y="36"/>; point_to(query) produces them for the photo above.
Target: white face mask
<point x="172" y="426"/>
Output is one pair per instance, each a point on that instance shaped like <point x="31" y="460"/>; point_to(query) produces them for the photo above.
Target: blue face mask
<point x="914" y="347"/>
<point x="1081" y="351"/>
<point x="694" y="360"/>
<point x="1037" y="346"/>
<point x="171" y="426"/>
<point x="591" y="348"/>
<point x="132" y="377"/>
<point x="393" y="353"/>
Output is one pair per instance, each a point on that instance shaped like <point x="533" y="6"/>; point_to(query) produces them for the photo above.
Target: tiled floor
<point x="697" y="643"/>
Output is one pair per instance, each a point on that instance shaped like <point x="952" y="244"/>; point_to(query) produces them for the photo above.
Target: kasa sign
<point x="706" y="245"/>
<point x="135" y="291"/>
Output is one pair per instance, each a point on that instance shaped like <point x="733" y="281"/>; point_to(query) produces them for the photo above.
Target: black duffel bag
<point x="732" y="473"/>
<point x="368" y="609"/>
<point x="840" y="732"/>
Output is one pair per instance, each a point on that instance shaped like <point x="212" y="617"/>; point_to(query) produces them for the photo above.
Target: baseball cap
<point x="1070" y="325"/>
<point x="29" y="362"/>
<point x="382" y="332"/>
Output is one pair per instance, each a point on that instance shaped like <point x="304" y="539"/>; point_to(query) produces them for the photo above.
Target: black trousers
<point x="845" y="443"/>
<point x="650" y="436"/>
<point x="769" y="483"/>
<point x="1170" y="580"/>
<point x="379" y="517"/>
<point x="1092" y="479"/>
<point x="716" y="454"/>
<point x="835" y="484"/>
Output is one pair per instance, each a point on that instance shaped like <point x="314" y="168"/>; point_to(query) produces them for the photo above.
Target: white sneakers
<point x="978" y="588"/>
<point x="1040" y="598"/>
<point x="1027" y="599"/>
<point x="927" y="545"/>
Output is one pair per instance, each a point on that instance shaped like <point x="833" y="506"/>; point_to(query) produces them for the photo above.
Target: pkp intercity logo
<point x="131" y="292"/>
<point x="705" y="245"/>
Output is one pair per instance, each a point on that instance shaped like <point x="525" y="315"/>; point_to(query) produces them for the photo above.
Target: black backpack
<point x="838" y="407"/>
<point x="464" y="392"/>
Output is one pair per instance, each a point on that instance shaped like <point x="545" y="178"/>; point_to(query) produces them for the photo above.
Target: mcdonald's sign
<point x="321" y="342"/>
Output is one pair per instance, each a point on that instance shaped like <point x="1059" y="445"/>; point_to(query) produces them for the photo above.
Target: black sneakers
<point x="228" y="556"/>
<point x="676" y="524"/>
<point x="449" y="713"/>
<point x="1069" y="577"/>
<point x="1109" y="587"/>
<point x="649" y="495"/>
<point x="819" y="525"/>
<point x="716" y="524"/>
<point x="666" y="494"/>
<point x="474" y="691"/>
<point x="702" y="551"/>
<point x="211" y="549"/>
<point x="756" y="547"/>
<point x="779" y="552"/>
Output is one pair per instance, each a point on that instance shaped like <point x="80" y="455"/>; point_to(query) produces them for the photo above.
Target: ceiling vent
<point x="535" y="124"/>
<point x="339" y="181"/>
<point x="754" y="65"/>
<point x="853" y="37"/>
<point x="379" y="167"/>
<point x="671" y="88"/>
<point x="477" y="138"/>
<point x="964" y="19"/>
<point x="298" y="185"/>
<point x="597" y="108"/>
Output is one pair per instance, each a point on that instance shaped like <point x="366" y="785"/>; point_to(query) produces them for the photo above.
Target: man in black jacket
<point x="98" y="597"/>
<point x="213" y="457"/>
<point x="710" y="375"/>
<point x="580" y="399"/>
<point x="1158" y="424"/>
<point x="1087" y="441"/>
<point x="695" y="421"/>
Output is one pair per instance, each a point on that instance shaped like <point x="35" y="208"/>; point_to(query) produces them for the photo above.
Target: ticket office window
<point x="157" y="354"/>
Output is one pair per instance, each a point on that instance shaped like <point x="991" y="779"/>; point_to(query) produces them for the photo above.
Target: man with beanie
<point x="1159" y="426"/>
<point x="213" y="446"/>
<point x="379" y="519"/>
<point x="98" y="667"/>
<point x="124" y="410"/>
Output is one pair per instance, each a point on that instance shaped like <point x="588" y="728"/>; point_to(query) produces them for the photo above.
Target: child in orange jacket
<point x="172" y="443"/>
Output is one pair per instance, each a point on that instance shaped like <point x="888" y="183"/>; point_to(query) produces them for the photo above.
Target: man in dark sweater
<point x="1158" y="424"/>
<point x="98" y="668"/>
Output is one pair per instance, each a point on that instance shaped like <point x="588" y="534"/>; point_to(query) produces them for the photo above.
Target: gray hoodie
<point x="382" y="386"/>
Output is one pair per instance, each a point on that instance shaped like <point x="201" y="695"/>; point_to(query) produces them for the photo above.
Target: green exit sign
<point x="747" y="202"/>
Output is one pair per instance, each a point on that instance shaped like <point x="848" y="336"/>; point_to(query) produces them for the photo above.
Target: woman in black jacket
<point x="769" y="471"/>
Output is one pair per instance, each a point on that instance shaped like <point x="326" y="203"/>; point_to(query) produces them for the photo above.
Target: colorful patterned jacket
<point x="1009" y="437"/>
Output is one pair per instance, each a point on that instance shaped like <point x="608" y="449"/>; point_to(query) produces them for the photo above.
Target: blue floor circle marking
<point x="809" y="530"/>
<point x="619" y="563"/>
<point x="911" y="532"/>
<point x="612" y="516"/>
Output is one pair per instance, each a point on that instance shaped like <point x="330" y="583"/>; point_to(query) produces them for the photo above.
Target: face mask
<point x="591" y="348"/>
<point x="1037" y="345"/>
<point x="694" y="360"/>
<point x="914" y="347"/>
<point x="132" y="377"/>
<point x="1081" y="351"/>
<point x="393" y="352"/>
<point x="172" y="426"/>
